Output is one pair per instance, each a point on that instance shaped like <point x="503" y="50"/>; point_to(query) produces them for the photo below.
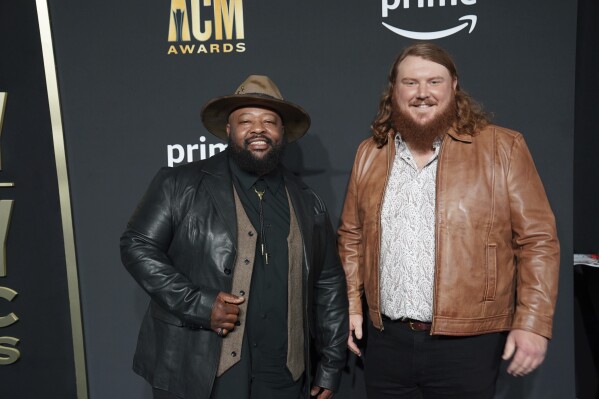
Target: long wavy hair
<point x="470" y="117"/>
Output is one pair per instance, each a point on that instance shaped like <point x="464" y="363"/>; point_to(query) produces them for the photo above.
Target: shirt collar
<point x="273" y="180"/>
<point x="401" y="145"/>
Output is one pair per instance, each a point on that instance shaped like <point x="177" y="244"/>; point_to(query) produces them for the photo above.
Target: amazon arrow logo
<point x="389" y="5"/>
<point x="470" y="19"/>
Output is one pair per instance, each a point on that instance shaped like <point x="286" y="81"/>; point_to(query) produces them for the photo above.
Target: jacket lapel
<point x="220" y="186"/>
<point x="296" y="191"/>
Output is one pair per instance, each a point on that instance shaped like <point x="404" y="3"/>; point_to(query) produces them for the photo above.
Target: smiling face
<point x="256" y="139"/>
<point x="423" y="90"/>
<point x="255" y="129"/>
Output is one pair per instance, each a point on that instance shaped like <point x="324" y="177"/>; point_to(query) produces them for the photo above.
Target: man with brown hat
<point x="239" y="259"/>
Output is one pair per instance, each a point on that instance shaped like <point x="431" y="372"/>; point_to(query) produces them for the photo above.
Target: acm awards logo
<point x="206" y="27"/>
<point x="392" y="5"/>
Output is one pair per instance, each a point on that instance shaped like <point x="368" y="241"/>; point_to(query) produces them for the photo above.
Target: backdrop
<point x="133" y="77"/>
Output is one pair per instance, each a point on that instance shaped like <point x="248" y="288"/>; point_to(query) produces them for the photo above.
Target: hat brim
<point x="215" y="114"/>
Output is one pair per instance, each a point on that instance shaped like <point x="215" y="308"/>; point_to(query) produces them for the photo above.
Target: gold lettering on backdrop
<point x="196" y="21"/>
<point x="5" y="205"/>
<point x="8" y="354"/>
<point x="202" y="49"/>
<point x="187" y="49"/>
<point x="2" y="108"/>
<point x="232" y="12"/>
<point x="206" y="21"/>
<point x="178" y="29"/>
<point x="5" y="212"/>
<point x="11" y="318"/>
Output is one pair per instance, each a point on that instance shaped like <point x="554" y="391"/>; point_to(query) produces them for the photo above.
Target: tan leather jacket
<point x="497" y="252"/>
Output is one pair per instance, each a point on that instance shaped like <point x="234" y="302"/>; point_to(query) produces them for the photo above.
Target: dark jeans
<point x="403" y="364"/>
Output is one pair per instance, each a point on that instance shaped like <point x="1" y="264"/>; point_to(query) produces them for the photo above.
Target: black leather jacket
<point x="180" y="247"/>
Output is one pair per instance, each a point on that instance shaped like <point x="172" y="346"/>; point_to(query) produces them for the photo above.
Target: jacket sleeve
<point x="144" y="253"/>
<point x="350" y="241"/>
<point x="330" y="312"/>
<point x="536" y="244"/>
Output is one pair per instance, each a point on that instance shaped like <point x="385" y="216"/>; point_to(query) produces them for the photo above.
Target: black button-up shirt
<point x="266" y="329"/>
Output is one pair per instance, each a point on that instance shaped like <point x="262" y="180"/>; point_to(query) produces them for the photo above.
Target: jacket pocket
<point x="159" y="313"/>
<point x="491" y="286"/>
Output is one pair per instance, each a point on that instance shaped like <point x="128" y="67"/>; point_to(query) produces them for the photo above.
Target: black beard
<point x="257" y="166"/>
<point x="420" y="137"/>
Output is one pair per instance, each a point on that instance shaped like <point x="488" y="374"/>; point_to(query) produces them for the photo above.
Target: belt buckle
<point x="411" y="324"/>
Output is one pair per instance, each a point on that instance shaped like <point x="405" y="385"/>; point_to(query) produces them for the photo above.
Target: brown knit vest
<point x="242" y="277"/>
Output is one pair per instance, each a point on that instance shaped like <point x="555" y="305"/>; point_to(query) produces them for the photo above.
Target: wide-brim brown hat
<point x="255" y="91"/>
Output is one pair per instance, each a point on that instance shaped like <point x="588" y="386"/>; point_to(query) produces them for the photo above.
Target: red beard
<point x="421" y="136"/>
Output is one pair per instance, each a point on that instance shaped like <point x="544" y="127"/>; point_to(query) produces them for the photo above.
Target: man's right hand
<point x="355" y="327"/>
<point x="225" y="312"/>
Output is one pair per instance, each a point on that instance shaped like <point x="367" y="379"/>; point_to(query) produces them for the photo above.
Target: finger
<point x="227" y="325"/>
<point x="231" y="309"/>
<point x="314" y="391"/>
<point x="519" y="364"/>
<point x="358" y="331"/>
<point x="531" y="363"/>
<point x="220" y="331"/>
<point x="230" y="298"/>
<point x="223" y="321"/>
<point x="509" y="348"/>
<point x="515" y="365"/>
<point x="220" y="315"/>
<point x="352" y="346"/>
<point x="526" y="361"/>
<point x="325" y="394"/>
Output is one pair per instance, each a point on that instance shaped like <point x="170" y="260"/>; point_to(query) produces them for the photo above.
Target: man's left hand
<point x="528" y="350"/>
<point x="321" y="393"/>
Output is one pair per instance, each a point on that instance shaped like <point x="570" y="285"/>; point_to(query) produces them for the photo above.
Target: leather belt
<point x="414" y="325"/>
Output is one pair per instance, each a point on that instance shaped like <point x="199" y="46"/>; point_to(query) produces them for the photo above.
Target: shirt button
<point x="237" y="323"/>
<point x="250" y="233"/>
<point x="246" y="261"/>
<point x="242" y="293"/>
<point x="234" y="354"/>
<point x="227" y="271"/>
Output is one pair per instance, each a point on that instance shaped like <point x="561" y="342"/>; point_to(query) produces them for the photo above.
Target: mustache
<point x="426" y="101"/>
<point x="248" y="141"/>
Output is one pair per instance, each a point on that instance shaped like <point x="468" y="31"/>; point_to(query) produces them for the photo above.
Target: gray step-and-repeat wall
<point x="133" y="77"/>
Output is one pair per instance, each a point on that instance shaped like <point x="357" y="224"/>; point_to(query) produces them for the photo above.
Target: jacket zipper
<point x="435" y="277"/>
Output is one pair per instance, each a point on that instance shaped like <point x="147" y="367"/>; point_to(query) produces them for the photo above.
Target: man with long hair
<point x="447" y="232"/>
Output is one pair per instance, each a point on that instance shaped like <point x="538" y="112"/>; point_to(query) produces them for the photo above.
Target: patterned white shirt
<point x="407" y="260"/>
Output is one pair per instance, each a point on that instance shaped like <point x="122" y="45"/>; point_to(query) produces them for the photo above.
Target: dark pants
<point x="259" y="390"/>
<point x="241" y="382"/>
<point x="267" y="384"/>
<point x="403" y="364"/>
